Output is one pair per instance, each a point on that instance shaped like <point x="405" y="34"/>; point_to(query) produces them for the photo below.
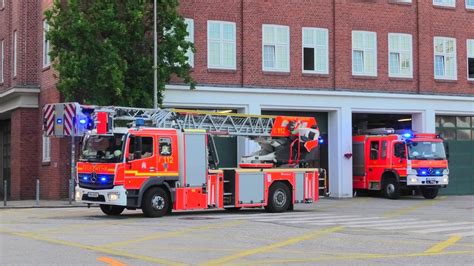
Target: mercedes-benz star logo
<point x="94" y="177"/>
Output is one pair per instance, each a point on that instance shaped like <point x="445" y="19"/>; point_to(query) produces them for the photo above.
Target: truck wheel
<point x="279" y="198"/>
<point x="112" y="210"/>
<point x="391" y="188"/>
<point x="156" y="202"/>
<point x="429" y="193"/>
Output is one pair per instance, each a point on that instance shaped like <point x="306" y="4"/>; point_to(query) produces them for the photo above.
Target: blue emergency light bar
<point x="59" y="121"/>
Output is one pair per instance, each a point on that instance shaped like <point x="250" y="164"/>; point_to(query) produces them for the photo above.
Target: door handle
<point x="152" y="169"/>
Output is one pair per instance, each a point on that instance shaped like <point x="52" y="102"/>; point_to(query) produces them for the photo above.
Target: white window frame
<point x="445" y="39"/>
<point x="46" y="45"/>
<point x="469" y="44"/>
<point x="46" y="148"/>
<point x="276" y="45"/>
<point x="2" y="60"/>
<point x="410" y="52"/>
<point x="222" y="41"/>
<point x="15" y="48"/>
<point x="469" y="6"/>
<point x="315" y="47"/>
<point x="402" y="1"/>
<point x="2" y="4"/>
<point x="190" y="38"/>
<point x="365" y="50"/>
<point x="447" y="3"/>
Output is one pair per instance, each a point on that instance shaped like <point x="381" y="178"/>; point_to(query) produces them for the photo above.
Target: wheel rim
<point x="279" y="198"/>
<point x="158" y="202"/>
<point x="390" y="189"/>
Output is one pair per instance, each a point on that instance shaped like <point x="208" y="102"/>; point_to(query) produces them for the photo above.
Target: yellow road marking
<point x="407" y="210"/>
<point x="270" y="247"/>
<point x="443" y="245"/>
<point x="111" y="261"/>
<point x="171" y="234"/>
<point x="92" y="248"/>
<point x="335" y="257"/>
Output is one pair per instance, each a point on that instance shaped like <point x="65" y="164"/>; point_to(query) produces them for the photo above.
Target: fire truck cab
<point x="393" y="162"/>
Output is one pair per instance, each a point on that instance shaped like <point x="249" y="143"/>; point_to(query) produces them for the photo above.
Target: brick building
<point x="349" y="63"/>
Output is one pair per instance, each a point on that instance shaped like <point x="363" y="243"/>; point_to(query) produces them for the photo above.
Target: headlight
<point x="78" y="195"/>
<point x="413" y="180"/>
<point x="113" y="196"/>
<point x="445" y="180"/>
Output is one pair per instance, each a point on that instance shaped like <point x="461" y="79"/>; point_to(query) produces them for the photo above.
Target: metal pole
<point x="155" y="60"/>
<point x="37" y="192"/>
<point x="73" y="169"/>
<point x="5" y="190"/>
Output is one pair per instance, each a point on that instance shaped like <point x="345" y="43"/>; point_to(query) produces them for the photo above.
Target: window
<point x="46" y="149"/>
<point x="14" y="52"/>
<point x="2" y="59"/>
<point x="449" y="3"/>
<point x="384" y="150"/>
<point x="455" y="127"/>
<point x="46" y="48"/>
<point x="364" y="53"/>
<point x="445" y="58"/>
<point x="2" y="4"/>
<point x="190" y="38"/>
<point x="400" y="55"/>
<point x="399" y="150"/>
<point x="470" y="59"/>
<point x="470" y="4"/>
<point x="165" y="147"/>
<point x="221" y="45"/>
<point x="374" y="150"/>
<point x="315" y="50"/>
<point x="140" y="147"/>
<point x="276" y="48"/>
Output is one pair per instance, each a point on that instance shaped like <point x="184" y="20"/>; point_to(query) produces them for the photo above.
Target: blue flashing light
<point x="82" y="121"/>
<point x="423" y="172"/>
<point x="139" y="122"/>
<point x="59" y="121"/>
<point x="103" y="179"/>
<point x="407" y="135"/>
<point x="85" y="178"/>
<point x="438" y="172"/>
<point x="321" y="140"/>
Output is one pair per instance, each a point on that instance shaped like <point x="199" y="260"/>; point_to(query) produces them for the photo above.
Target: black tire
<point x="112" y="210"/>
<point x="391" y="188"/>
<point x="430" y="193"/>
<point x="279" y="198"/>
<point x="156" y="202"/>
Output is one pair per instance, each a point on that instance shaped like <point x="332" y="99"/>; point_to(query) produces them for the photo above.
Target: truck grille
<point x="96" y="181"/>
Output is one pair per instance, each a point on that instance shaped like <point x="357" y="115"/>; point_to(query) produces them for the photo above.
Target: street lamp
<point x="155" y="60"/>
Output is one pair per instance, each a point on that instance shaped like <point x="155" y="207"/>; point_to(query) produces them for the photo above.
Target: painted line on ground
<point x="437" y="230"/>
<point x="409" y="227"/>
<point x="263" y="249"/>
<point x="406" y="210"/>
<point x="92" y="248"/>
<point x="439" y="247"/>
<point x="373" y="223"/>
<point x="337" y="257"/>
<point x="161" y="235"/>
<point x="306" y="219"/>
<point x="271" y="216"/>
<point x="111" y="262"/>
<point x="342" y="221"/>
<point x="464" y="234"/>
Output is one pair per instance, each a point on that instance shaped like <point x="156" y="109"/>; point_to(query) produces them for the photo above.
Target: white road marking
<point x="306" y="220"/>
<point x="436" y="230"/>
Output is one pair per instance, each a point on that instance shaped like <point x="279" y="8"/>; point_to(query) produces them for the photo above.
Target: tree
<point x="103" y="49"/>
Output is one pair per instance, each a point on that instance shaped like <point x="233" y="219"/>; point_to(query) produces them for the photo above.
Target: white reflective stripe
<point x="208" y="194"/>
<point x="268" y="215"/>
<point x="470" y="233"/>
<point x="342" y="221"/>
<point x="305" y="196"/>
<point x="383" y="223"/>
<point x="435" y="230"/>
<point x="306" y="220"/>
<point x="213" y="195"/>
<point x="426" y="225"/>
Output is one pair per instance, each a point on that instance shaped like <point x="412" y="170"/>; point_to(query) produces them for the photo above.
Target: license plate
<point x="93" y="194"/>
<point x="431" y="181"/>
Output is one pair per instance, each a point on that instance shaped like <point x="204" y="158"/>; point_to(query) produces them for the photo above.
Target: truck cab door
<point x="141" y="160"/>
<point x="374" y="164"/>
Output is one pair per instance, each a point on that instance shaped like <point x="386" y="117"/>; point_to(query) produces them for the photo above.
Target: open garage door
<point x="363" y="121"/>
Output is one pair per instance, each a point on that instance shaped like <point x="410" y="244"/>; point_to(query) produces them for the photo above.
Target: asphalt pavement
<point x="358" y="231"/>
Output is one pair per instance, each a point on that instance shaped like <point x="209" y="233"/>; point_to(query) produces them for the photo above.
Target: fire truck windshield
<point x="426" y="150"/>
<point x="97" y="148"/>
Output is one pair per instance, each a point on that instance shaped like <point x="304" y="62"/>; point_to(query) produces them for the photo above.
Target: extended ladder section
<point x="213" y="122"/>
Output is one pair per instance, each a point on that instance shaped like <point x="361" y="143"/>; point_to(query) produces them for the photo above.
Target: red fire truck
<point x="166" y="159"/>
<point x="392" y="162"/>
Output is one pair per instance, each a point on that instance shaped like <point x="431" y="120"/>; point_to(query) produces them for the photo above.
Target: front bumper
<point x="114" y="196"/>
<point x="415" y="180"/>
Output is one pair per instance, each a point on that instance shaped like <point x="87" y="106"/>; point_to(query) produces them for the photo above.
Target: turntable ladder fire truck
<point x="393" y="162"/>
<point x="160" y="160"/>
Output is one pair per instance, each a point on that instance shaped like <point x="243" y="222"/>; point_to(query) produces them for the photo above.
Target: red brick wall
<point x="380" y="16"/>
<point x="25" y="145"/>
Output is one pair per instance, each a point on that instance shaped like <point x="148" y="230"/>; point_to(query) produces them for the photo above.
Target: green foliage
<point x="103" y="49"/>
